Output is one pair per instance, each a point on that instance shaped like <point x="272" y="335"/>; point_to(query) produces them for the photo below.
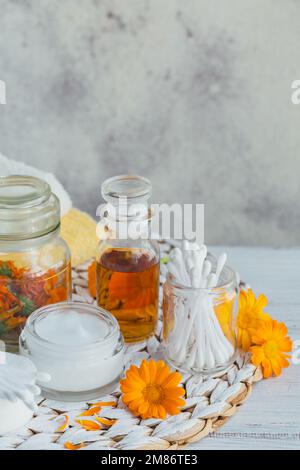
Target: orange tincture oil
<point x="128" y="286"/>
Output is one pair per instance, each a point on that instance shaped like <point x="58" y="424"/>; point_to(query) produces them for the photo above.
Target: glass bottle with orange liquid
<point x="128" y="261"/>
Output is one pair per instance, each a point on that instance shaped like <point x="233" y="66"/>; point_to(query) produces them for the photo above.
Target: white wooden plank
<point x="270" y="419"/>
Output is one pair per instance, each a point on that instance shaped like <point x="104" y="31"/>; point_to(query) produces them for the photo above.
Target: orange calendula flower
<point x="152" y="391"/>
<point x="250" y="317"/>
<point x="271" y="345"/>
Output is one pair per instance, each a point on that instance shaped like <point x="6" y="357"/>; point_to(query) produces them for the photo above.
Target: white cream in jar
<point x="79" y="345"/>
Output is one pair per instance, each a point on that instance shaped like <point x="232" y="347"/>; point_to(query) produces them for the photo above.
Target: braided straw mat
<point x="210" y="402"/>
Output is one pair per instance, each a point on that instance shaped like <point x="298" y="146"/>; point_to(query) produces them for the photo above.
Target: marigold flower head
<point x="271" y="345"/>
<point x="152" y="391"/>
<point x="250" y="317"/>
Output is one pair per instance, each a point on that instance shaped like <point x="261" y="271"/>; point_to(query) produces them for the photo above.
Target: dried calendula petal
<point x="88" y="425"/>
<point x="91" y="411"/>
<point x="70" y="446"/>
<point x="64" y="425"/>
<point x="22" y="291"/>
<point x="106" y="422"/>
<point x="105" y="403"/>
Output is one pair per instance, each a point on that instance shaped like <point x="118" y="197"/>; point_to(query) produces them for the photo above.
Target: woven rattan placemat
<point x="210" y="402"/>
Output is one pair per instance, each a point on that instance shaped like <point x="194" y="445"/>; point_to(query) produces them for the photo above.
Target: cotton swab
<point x="197" y="337"/>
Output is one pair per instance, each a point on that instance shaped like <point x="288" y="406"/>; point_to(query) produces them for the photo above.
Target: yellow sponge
<point x="78" y="229"/>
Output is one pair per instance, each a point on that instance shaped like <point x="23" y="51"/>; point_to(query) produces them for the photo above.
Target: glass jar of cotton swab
<point x="199" y="307"/>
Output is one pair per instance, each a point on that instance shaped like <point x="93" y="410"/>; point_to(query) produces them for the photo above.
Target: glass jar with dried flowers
<point x="35" y="265"/>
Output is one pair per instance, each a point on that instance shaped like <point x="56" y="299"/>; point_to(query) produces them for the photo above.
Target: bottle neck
<point x="125" y="220"/>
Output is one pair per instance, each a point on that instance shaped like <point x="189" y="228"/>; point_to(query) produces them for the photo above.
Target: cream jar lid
<point x="28" y="208"/>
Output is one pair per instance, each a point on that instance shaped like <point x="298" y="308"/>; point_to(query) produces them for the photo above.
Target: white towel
<point x="13" y="167"/>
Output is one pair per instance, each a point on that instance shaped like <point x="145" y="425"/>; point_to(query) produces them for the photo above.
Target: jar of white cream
<point x="79" y="345"/>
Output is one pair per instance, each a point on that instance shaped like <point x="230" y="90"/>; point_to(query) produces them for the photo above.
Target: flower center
<point x="270" y="349"/>
<point x="153" y="393"/>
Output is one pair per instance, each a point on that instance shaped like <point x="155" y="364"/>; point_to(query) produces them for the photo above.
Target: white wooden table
<point x="270" y="419"/>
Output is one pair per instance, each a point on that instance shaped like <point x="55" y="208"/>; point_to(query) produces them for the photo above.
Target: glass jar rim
<point x="131" y="187"/>
<point x="231" y="282"/>
<point x="28" y="208"/>
<point x="114" y="330"/>
<point x="32" y="191"/>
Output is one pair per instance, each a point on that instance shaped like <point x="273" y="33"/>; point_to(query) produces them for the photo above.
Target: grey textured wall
<point x="195" y="95"/>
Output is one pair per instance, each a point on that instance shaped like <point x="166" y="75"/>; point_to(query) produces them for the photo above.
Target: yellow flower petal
<point x="152" y="370"/>
<point x="267" y="369"/>
<point x="172" y="380"/>
<point x="175" y="391"/>
<point x="161" y="412"/>
<point x="145" y="372"/>
<point x="162" y="373"/>
<point x="171" y="409"/>
<point x="276" y="366"/>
